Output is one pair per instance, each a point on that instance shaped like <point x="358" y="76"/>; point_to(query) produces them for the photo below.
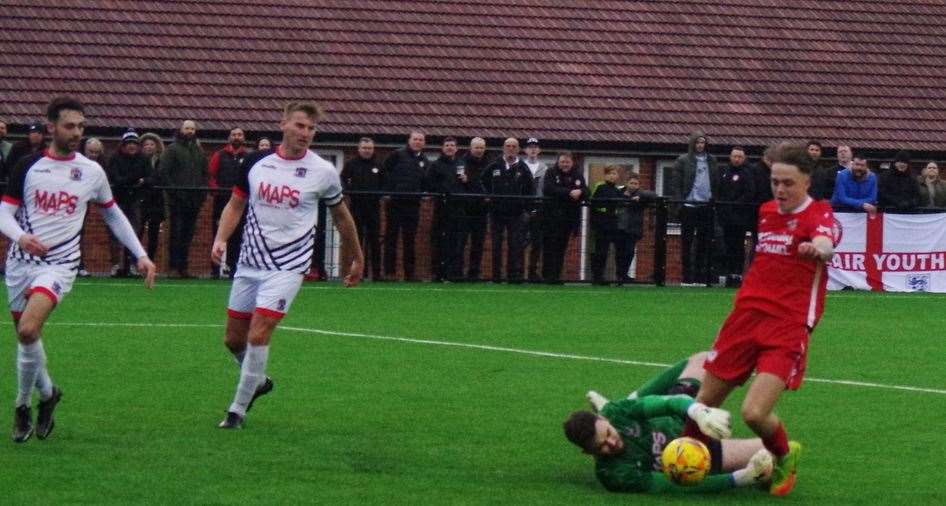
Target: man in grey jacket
<point x="695" y="181"/>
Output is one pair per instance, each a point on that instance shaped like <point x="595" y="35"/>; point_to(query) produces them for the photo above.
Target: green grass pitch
<point x="356" y="418"/>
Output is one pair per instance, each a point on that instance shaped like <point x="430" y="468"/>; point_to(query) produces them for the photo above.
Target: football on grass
<point x="686" y="461"/>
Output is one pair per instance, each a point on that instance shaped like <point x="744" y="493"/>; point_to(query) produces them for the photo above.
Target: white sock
<point x="30" y="360"/>
<point x="252" y="375"/>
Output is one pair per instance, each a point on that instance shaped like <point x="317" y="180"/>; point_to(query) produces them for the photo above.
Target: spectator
<point x="736" y="213"/>
<point x="695" y="180"/>
<point x="363" y="173"/>
<point x="94" y="150"/>
<point x="604" y="224"/>
<point x="404" y="171"/>
<point x="5" y="146"/>
<point x="631" y="221"/>
<point x="32" y="144"/>
<point x="264" y="144"/>
<point x="473" y="224"/>
<point x="127" y="171"/>
<point x="823" y="180"/>
<point x="565" y="188"/>
<point x="762" y="181"/>
<point x="856" y="188"/>
<point x="897" y="189"/>
<point x="444" y="178"/>
<point x="932" y="189"/>
<point x="536" y="226"/>
<point x="224" y="171"/>
<point x="152" y="206"/>
<point x="183" y="169"/>
<point x="509" y="176"/>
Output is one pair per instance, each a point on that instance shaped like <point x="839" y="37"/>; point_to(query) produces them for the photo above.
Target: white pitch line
<point x="486" y="347"/>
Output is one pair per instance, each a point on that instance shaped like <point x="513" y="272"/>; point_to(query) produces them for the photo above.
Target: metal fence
<point x="463" y="238"/>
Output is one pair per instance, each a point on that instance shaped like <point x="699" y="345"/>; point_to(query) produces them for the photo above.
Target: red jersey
<point x="779" y="282"/>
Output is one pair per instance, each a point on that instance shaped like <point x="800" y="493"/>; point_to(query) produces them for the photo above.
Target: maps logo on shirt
<point x="301" y="171"/>
<point x="75" y="174"/>
<point x="53" y="202"/>
<point x="272" y="194"/>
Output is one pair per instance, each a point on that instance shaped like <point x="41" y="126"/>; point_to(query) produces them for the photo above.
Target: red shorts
<point x="752" y="339"/>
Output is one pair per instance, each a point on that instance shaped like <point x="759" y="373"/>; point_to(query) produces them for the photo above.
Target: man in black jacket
<point x="473" y="224"/>
<point x="566" y="189"/>
<point x="404" y="171"/>
<point x="126" y="172"/>
<point x="735" y="210"/>
<point x="444" y="178"/>
<point x="695" y="180"/>
<point x="224" y="171"/>
<point x="508" y="175"/>
<point x="897" y="189"/>
<point x="363" y="173"/>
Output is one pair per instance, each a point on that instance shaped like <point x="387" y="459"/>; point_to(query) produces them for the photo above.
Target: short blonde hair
<point x="309" y="108"/>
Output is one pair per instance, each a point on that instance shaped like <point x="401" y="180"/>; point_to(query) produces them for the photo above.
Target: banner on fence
<point x="889" y="252"/>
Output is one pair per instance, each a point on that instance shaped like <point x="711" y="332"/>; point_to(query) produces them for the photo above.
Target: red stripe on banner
<point x="875" y="245"/>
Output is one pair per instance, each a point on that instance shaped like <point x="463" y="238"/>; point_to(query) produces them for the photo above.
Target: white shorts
<point x="269" y="293"/>
<point x="25" y="279"/>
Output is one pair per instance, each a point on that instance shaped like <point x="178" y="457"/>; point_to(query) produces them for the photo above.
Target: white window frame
<point x="673" y="227"/>
<point x="333" y="270"/>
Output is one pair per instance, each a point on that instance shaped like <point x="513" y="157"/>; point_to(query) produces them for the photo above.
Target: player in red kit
<point x="777" y="307"/>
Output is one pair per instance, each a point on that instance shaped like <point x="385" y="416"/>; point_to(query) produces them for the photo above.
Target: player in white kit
<point x="42" y="213"/>
<point x="280" y="191"/>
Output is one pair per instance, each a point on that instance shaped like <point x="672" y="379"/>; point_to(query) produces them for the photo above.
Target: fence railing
<point x="463" y="237"/>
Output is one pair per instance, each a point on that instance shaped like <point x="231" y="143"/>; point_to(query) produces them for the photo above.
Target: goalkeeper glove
<point x="715" y="423"/>
<point x="758" y="470"/>
<point x="597" y="400"/>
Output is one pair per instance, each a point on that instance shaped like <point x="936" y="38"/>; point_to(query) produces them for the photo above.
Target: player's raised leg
<point x="758" y="411"/>
<point x="31" y="367"/>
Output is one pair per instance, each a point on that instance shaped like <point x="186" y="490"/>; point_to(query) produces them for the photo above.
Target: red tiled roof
<point x="747" y="71"/>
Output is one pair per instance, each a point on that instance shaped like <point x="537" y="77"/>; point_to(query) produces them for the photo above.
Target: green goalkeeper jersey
<point x="646" y="425"/>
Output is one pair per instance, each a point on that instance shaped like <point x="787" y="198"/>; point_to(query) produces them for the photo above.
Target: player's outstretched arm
<point x="820" y="248"/>
<point x="120" y="226"/>
<point x="229" y="219"/>
<point x="10" y="228"/>
<point x="714" y="422"/>
<point x="758" y="470"/>
<point x="351" y="246"/>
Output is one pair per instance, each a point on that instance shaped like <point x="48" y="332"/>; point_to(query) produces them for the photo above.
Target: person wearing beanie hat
<point x="126" y="171"/>
<point x="897" y="188"/>
<point x="32" y="144"/>
<point x="130" y="136"/>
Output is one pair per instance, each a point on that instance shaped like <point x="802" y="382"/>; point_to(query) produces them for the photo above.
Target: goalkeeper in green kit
<point x="626" y="437"/>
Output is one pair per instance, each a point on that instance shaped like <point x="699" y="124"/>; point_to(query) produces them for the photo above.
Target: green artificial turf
<point x="375" y="402"/>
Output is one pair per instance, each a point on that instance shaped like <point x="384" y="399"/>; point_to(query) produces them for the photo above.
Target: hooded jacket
<point x="684" y="171"/>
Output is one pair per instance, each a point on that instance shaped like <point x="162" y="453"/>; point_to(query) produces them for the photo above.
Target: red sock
<point x="777" y="443"/>
<point x="691" y="429"/>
